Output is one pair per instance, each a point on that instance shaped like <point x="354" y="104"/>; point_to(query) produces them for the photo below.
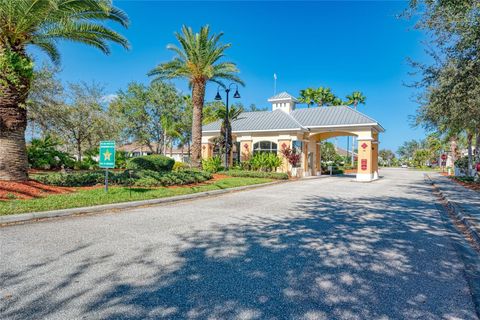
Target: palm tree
<point x="197" y="60"/>
<point x="323" y="96"/>
<point x="355" y="99"/>
<point x="307" y="96"/>
<point x="41" y="23"/>
<point x="337" y="101"/>
<point x="233" y="113"/>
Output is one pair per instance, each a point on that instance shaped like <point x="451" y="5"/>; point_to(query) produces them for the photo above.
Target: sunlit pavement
<point x="327" y="248"/>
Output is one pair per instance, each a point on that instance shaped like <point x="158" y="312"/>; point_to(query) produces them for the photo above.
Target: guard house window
<point x="265" y="146"/>
<point x="297" y="146"/>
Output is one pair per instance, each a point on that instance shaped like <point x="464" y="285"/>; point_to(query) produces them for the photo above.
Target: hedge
<point x="148" y="178"/>
<point x="154" y="162"/>
<point x="76" y="179"/>
<point x="256" y="174"/>
<point x="144" y="178"/>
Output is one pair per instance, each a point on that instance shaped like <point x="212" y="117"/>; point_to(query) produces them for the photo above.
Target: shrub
<point x="146" y="182"/>
<point x="257" y="174"/>
<point x="154" y="162"/>
<point x="43" y="154"/>
<point x="121" y="159"/>
<point x="82" y="165"/>
<point x="291" y="155"/>
<point x="265" y="161"/>
<point x="213" y="164"/>
<point x="159" y="179"/>
<point x="76" y="179"/>
<point x="179" y="166"/>
<point x="335" y="169"/>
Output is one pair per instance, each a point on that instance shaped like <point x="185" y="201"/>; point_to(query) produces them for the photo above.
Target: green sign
<point x="107" y="154"/>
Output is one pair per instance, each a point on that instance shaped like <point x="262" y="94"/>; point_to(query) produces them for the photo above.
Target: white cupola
<point x="283" y="101"/>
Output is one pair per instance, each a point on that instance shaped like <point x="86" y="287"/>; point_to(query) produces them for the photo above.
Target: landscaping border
<point x="35" y="216"/>
<point x="456" y="210"/>
<point x="465" y="250"/>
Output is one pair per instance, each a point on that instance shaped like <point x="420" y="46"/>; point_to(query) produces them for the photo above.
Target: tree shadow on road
<point x="328" y="258"/>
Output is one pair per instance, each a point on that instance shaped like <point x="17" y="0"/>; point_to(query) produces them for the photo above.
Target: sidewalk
<point x="464" y="202"/>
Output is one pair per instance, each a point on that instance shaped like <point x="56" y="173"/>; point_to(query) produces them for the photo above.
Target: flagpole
<point x="274" y="84"/>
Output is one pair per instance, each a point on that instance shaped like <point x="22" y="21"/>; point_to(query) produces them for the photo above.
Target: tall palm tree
<point x="197" y="60"/>
<point x="307" y="96"/>
<point x="41" y="23"/>
<point x="356" y="98"/>
<point x="323" y="96"/>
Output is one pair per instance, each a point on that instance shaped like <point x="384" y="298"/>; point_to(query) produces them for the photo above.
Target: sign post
<point x="444" y="161"/>
<point x="107" y="158"/>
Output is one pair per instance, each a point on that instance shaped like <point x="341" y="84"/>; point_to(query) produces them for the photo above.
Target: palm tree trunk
<point x="13" y="123"/>
<point x="198" y="96"/>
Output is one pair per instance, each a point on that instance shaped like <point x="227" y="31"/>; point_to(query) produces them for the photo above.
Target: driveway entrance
<point x="313" y="249"/>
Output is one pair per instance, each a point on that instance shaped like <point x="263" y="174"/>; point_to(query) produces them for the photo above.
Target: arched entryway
<point x="367" y="155"/>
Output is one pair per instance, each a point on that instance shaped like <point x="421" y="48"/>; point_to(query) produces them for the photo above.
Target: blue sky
<point x="347" y="46"/>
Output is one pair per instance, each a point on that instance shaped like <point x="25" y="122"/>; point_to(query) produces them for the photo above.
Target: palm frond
<point x="197" y="58"/>
<point x="43" y="22"/>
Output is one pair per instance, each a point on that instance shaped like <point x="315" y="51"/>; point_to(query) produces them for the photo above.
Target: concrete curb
<point x="457" y="211"/>
<point x="465" y="250"/>
<point x="26" y="217"/>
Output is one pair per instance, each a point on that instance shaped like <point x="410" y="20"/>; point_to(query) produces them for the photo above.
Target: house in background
<point x="345" y="153"/>
<point x="137" y="149"/>
<point x="302" y="130"/>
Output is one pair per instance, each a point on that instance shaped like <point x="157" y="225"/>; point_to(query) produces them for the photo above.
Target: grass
<point x="435" y="169"/>
<point x="91" y="197"/>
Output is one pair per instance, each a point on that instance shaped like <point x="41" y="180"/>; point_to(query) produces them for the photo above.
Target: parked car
<point x="404" y="166"/>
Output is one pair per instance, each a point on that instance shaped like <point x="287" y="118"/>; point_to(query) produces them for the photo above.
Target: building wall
<point x="366" y="136"/>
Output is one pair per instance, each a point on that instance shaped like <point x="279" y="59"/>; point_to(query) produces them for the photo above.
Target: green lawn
<point x="84" y="198"/>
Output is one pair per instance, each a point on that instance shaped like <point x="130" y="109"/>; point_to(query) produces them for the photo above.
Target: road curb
<point x="456" y="210"/>
<point x="465" y="250"/>
<point x="34" y="216"/>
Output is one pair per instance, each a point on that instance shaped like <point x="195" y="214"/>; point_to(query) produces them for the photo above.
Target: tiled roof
<point x="300" y="119"/>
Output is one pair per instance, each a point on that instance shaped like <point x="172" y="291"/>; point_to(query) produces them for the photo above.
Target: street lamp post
<point x="218" y="97"/>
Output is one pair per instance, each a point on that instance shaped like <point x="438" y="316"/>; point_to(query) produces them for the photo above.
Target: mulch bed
<point x="10" y="190"/>
<point x="470" y="185"/>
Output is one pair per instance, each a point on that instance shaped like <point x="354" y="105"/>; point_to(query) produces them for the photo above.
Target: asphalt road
<point x="327" y="248"/>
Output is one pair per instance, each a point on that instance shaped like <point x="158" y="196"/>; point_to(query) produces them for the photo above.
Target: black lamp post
<point x="218" y="97"/>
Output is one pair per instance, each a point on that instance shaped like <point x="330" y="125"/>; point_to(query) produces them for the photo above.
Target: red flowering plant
<point x="292" y="157"/>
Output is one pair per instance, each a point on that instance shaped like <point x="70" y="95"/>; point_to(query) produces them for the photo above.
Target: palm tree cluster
<point x="323" y="96"/>
<point x="41" y="23"/>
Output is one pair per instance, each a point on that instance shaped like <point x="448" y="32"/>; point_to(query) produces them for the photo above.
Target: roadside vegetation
<point x="97" y="196"/>
<point x="448" y="89"/>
